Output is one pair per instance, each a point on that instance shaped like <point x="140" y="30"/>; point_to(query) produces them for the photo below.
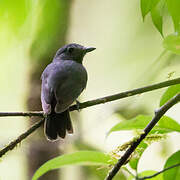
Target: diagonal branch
<point x="13" y="144"/>
<point x="158" y="114"/>
<point x="103" y="99"/>
<point x="149" y="177"/>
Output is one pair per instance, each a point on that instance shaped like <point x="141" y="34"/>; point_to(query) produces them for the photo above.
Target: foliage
<point x="157" y="10"/>
<point x="77" y="158"/>
<point x="170" y="92"/>
<point x="46" y="29"/>
<point x="165" y="125"/>
<point x="173" y="173"/>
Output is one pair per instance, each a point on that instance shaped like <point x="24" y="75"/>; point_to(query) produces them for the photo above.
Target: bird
<point x="63" y="80"/>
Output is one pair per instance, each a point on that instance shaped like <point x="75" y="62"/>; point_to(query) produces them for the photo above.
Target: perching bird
<point x="63" y="80"/>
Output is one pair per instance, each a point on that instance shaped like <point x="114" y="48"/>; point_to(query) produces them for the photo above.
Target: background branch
<point x="86" y="104"/>
<point x="158" y="114"/>
<point x="155" y="174"/>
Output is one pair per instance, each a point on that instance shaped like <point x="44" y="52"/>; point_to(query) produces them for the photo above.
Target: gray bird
<point x="63" y="80"/>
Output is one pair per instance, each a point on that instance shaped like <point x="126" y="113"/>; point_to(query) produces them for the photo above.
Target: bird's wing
<point x="46" y="91"/>
<point x="53" y="76"/>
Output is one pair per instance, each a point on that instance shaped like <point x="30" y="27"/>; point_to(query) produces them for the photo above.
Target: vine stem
<point x="155" y="174"/>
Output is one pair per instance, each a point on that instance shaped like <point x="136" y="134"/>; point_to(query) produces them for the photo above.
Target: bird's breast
<point x="70" y="80"/>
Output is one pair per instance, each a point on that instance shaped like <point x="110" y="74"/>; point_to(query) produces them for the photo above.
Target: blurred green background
<point x="128" y="55"/>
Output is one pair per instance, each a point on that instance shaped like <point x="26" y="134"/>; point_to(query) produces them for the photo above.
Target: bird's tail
<point x="56" y="125"/>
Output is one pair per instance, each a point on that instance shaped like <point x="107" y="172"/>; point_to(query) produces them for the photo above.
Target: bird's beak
<point x="89" y="49"/>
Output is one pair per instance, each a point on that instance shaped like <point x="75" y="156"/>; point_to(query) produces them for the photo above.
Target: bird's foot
<point x="78" y="105"/>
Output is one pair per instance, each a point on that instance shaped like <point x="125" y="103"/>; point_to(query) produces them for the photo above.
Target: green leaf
<point x="140" y="149"/>
<point x="92" y="171"/>
<point x="173" y="8"/>
<point x="169" y="93"/>
<point x="172" y="43"/>
<point x="157" y="18"/>
<point x="168" y="123"/>
<point x="174" y="173"/>
<point x="147" y="5"/>
<point x="148" y="173"/>
<point x="165" y="125"/>
<point x="139" y="122"/>
<point x="77" y="158"/>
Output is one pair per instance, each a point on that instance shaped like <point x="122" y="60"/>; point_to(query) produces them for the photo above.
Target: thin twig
<point x="13" y="144"/>
<point x="149" y="177"/>
<point x="158" y="114"/>
<point x="103" y="99"/>
<point x="29" y="114"/>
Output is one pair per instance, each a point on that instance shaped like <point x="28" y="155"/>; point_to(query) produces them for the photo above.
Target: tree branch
<point x="103" y="99"/>
<point x="29" y="114"/>
<point x="13" y="144"/>
<point x="86" y="104"/>
<point x="149" y="177"/>
<point x="158" y="114"/>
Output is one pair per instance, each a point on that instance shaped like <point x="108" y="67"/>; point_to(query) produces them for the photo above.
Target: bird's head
<point x="73" y="52"/>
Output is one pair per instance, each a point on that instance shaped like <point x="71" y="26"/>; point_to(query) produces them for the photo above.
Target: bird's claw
<point x="78" y="105"/>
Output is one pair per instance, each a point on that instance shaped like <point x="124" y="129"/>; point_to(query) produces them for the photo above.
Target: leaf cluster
<point x="158" y="9"/>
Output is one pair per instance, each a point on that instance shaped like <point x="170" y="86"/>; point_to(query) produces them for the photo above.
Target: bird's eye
<point x="70" y="49"/>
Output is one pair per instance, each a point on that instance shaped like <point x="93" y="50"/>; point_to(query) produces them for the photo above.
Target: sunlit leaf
<point x="157" y="18"/>
<point x="147" y="5"/>
<point x="173" y="8"/>
<point x="172" y="43"/>
<point x="165" y="125"/>
<point x="77" y="158"/>
<point x="169" y="93"/>
<point x="174" y="173"/>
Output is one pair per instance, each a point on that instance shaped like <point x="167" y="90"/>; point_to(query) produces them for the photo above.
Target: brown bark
<point x="50" y="37"/>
